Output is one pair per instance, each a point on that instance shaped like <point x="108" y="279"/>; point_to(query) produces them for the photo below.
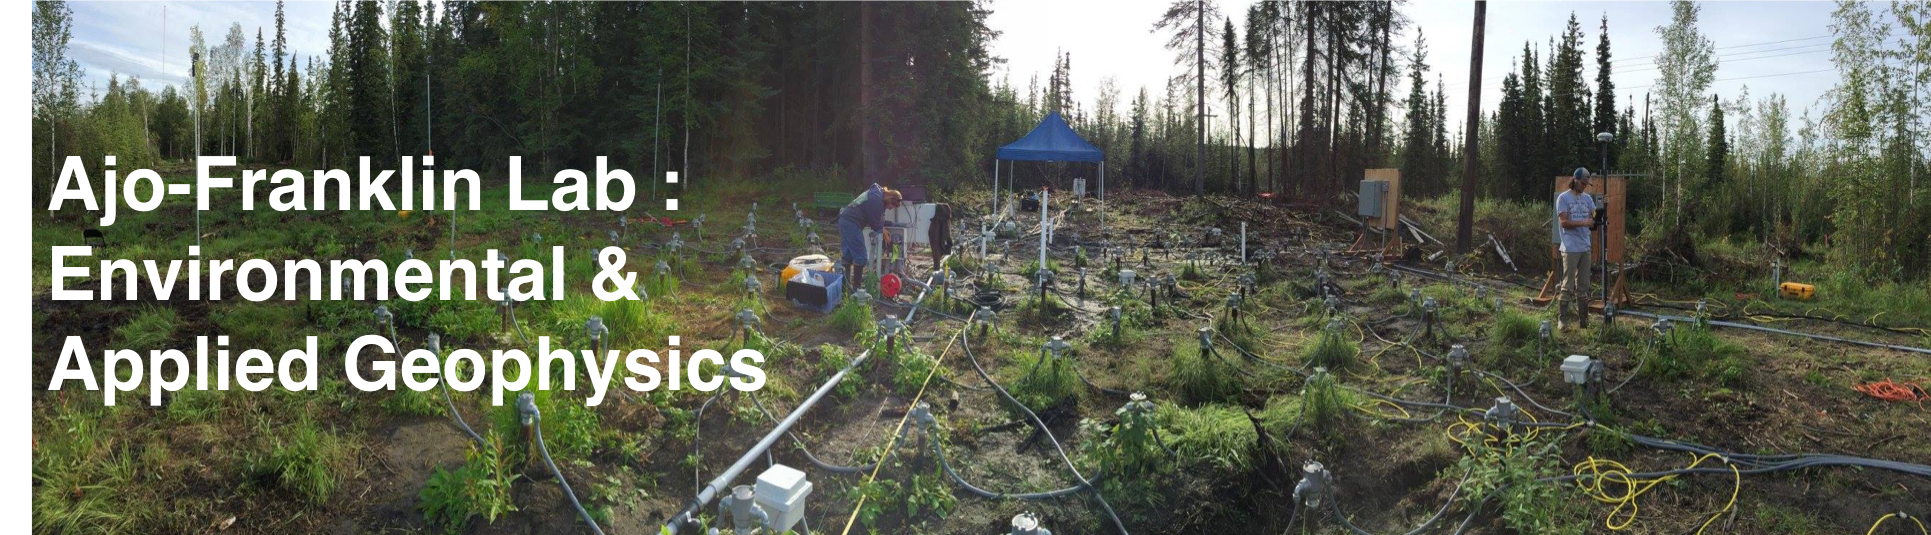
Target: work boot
<point x="1582" y="316"/>
<point x="1562" y="316"/>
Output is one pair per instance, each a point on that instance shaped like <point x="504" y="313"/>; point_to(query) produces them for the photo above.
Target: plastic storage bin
<point x="817" y="291"/>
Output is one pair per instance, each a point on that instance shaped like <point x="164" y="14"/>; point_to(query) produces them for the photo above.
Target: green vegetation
<point x="480" y="488"/>
<point x="1508" y="473"/>
<point x="1694" y="352"/>
<point x="151" y="328"/>
<point x="303" y="459"/>
<point x="1038" y="380"/>
<point x="853" y="318"/>
<point x="1203" y="378"/>
<point x="1217" y="435"/>
<point x="1324" y="403"/>
<point x="1332" y="350"/>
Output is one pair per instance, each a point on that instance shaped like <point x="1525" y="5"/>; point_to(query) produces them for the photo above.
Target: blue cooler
<point x="818" y="291"/>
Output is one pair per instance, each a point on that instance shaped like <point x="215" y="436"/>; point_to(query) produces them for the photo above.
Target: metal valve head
<point x="1058" y="346"/>
<point x="751" y="284"/>
<point x="922" y="413"/>
<point x="1027" y="524"/>
<point x="435" y="343"/>
<point x="812" y="237"/>
<point x="595" y="328"/>
<point x="984" y="317"/>
<point x="382" y="315"/>
<point x="1414" y="296"/>
<point x="1313" y="486"/>
<point x="1114" y="312"/>
<point x="746" y="262"/>
<point x="536" y="237"/>
<point x="1546" y="330"/>
<point x="747" y="318"/>
<point x="526" y="408"/>
<point x="890" y="325"/>
<point x="1502" y="413"/>
<point x="663" y="267"/>
<point x="1458" y="354"/>
<point x="737" y="243"/>
<point x="1428" y="305"/>
<point x="1206" y="338"/>
<point x="1333" y="326"/>
<point x="409" y="253"/>
<point x="862" y="297"/>
<point x="614" y="240"/>
<point x="1662" y="326"/>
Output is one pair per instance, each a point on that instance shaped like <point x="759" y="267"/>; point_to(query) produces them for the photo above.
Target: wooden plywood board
<point x="1612" y="189"/>
<point x="1391" y="204"/>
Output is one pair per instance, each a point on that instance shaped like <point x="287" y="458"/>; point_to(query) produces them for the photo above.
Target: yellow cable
<point x="1881" y="519"/>
<point x="1601" y="470"/>
<point x="898" y="430"/>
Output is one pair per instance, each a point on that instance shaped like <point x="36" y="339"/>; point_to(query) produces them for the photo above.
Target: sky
<point x="1114" y="39"/>
<point x="131" y="38"/>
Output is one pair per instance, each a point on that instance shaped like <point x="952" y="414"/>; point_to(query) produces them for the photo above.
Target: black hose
<point x="983" y="493"/>
<point x="966" y="344"/>
<point x="536" y="425"/>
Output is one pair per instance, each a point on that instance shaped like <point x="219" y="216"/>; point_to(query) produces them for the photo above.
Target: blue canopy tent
<point x="1051" y="141"/>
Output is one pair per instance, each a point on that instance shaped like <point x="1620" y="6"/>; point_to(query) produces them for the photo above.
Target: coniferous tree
<point x="1606" y="117"/>
<point x="1718" y="157"/>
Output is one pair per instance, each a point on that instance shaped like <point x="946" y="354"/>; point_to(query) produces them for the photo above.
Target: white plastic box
<point x="1580" y="369"/>
<point x="781" y="491"/>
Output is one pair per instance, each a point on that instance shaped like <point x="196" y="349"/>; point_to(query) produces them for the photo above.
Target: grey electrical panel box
<point x="1374" y="193"/>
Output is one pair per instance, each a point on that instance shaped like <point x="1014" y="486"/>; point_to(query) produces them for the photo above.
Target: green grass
<point x="852" y="318"/>
<point x="302" y="458"/>
<point x="408" y="402"/>
<point x="1325" y="404"/>
<point x="81" y="477"/>
<point x="631" y="323"/>
<point x="1216" y="435"/>
<point x="1333" y="351"/>
<point x="1696" y="353"/>
<point x="1038" y="380"/>
<point x="152" y="328"/>
<point x="1201" y="378"/>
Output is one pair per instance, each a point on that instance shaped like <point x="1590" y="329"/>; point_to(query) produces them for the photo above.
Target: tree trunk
<point x="1465" y="221"/>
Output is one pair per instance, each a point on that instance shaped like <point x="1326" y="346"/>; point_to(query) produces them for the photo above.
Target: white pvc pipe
<point x="1045" y="223"/>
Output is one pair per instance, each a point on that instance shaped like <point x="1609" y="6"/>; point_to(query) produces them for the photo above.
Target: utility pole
<point x="1465" y="222"/>
<point x="1200" y="96"/>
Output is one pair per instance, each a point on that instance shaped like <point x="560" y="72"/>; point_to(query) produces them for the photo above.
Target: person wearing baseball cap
<point x="1575" y="218"/>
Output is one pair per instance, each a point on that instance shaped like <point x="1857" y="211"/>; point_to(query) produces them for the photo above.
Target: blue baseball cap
<point x="1582" y="173"/>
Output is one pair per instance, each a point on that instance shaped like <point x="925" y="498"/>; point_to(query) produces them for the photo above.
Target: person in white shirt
<point x="1575" y="219"/>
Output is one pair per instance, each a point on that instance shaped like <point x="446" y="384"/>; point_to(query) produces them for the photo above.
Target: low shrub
<point x="480" y="488"/>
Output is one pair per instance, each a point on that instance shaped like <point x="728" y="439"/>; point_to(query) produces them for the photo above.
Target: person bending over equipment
<point x="866" y="211"/>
